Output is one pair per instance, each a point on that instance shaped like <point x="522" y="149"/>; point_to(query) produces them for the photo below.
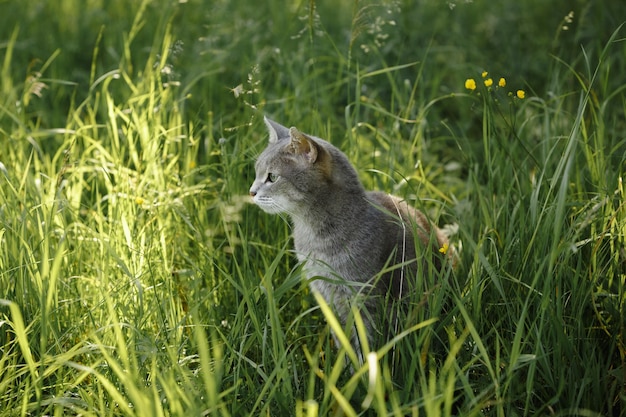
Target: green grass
<point x="136" y="278"/>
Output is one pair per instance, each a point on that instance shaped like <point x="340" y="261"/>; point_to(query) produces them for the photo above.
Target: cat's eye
<point x="271" y="177"/>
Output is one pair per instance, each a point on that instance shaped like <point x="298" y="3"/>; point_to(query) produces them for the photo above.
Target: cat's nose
<point x="253" y="189"/>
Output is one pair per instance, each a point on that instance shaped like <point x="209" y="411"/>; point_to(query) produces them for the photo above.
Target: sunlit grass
<point x="136" y="278"/>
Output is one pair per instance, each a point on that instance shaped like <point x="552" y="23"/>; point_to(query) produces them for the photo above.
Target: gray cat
<point x="349" y="239"/>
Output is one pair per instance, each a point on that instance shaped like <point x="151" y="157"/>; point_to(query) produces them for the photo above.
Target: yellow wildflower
<point x="484" y="74"/>
<point x="470" y="84"/>
<point x="139" y="200"/>
<point x="521" y="94"/>
<point x="502" y="82"/>
<point x="444" y="248"/>
<point x="488" y="82"/>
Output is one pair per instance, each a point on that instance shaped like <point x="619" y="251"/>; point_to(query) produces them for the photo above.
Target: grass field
<point x="136" y="278"/>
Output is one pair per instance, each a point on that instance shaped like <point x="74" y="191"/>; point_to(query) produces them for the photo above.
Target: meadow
<point x="136" y="279"/>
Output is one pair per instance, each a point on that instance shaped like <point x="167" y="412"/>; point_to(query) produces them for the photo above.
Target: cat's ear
<point x="276" y="130"/>
<point x="301" y="144"/>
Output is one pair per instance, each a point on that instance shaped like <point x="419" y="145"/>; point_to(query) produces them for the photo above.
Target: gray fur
<point x="342" y="233"/>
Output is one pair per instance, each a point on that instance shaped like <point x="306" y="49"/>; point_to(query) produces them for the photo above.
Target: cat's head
<point x="291" y="171"/>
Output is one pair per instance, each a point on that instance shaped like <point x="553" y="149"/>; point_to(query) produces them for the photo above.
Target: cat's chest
<point x="321" y="250"/>
<point x="340" y="254"/>
<point x="328" y="244"/>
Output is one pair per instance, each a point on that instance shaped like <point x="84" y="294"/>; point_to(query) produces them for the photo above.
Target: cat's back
<point x="412" y="220"/>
